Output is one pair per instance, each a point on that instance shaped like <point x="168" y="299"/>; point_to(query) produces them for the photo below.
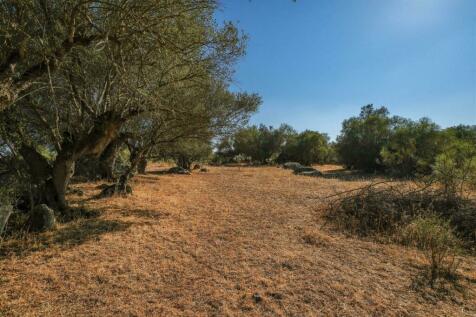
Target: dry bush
<point x="381" y="209"/>
<point x="422" y="217"/>
<point x="373" y="210"/>
<point x="440" y="245"/>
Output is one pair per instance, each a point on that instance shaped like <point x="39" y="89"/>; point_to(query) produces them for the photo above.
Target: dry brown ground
<point x="203" y="245"/>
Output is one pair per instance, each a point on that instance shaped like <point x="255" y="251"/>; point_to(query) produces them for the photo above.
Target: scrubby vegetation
<point x="374" y="141"/>
<point x="439" y="243"/>
<point x="419" y="215"/>
<point x="92" y="93"/>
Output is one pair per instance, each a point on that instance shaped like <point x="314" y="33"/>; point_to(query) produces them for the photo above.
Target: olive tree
<point x="141" y="54"/>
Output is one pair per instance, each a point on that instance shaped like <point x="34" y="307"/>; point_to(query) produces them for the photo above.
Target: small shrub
<point x="436" y="238"/>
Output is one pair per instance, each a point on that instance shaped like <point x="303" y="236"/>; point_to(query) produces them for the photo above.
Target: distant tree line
<point x="267" y="145"/>
<point x="373" y="141"/>
<point x="376" y="141"/>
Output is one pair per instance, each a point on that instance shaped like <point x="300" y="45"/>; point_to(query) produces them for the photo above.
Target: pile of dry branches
<point x="382" y="208"/>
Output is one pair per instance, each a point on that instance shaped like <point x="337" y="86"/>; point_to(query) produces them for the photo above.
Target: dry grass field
<point x="234" y="241"/>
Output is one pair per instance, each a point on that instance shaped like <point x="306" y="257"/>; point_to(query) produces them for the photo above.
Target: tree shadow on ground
<point x="145" y="213"/>
<point x="453" y="287"/>
<point x="71" y="231"/>
<point x="352" y="175"/>
<point x="159" y="172"/>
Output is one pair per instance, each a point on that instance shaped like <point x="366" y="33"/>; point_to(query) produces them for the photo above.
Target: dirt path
<point x="234" y="241"/>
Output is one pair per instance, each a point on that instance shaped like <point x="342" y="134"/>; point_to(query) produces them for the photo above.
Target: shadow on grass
<point x="448" y="287"/>
<point x="354" y="175"/>
<point x="72" y="230"/>
<point x="159" y="172"/>
<point x="144" y="213"/>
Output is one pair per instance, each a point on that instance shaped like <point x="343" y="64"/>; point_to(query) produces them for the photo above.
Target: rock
<point x="291" y="165"/>
<point x="5" y="212"/>
<point x="300" y="169"/>
<point x="257" y="298"/>
<point x="42" y="218"/>
<point x="204" y="170"/>
<point x="314" y="173"/>
<point x="179" y="170"/>
<point x="111" y="190"/>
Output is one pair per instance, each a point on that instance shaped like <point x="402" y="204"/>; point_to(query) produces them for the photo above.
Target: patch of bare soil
<point x="234" y="241"/>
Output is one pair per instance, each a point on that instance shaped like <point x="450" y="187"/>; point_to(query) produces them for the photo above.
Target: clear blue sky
<point x="316" y="62"/>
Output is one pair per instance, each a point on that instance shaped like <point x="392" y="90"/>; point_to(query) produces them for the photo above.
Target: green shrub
<point x="455" y="169"/>
<point x="436" y="238"/>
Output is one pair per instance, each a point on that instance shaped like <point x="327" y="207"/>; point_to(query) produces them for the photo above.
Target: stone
<point x="300" y="169"/>
<point x="291" y="165"/>
<point x="42" y="218"/>
<point x="314" y="173"/>
<point x="179" y="170"/>
<point x="112" y="190"/>
<point x="257" y="298"/>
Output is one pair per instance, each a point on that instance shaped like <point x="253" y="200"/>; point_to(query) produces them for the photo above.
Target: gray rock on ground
<point x="291" y="165"/>
<point x="42" y="218"/>
<point x="179" y="170"/>
<point x="314" y="173"/>
<point x="300" y="169"/>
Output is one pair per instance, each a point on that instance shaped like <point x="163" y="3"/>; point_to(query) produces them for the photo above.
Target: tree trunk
<point x="122" y="186"/>
<point x="142" y="165"/>
<point x="5" y="212"/>
<point x="63" y="169"/>
<point x="184" y="162"/>
<point x="107" y="160"/>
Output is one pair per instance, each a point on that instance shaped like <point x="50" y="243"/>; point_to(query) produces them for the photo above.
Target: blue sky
<point x="316" y="62"/>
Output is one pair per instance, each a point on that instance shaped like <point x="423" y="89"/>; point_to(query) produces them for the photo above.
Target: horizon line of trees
<point x="373" y="141"/>
<point x="268" y="145"/>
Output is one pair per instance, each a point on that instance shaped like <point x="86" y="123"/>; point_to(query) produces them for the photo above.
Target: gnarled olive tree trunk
<point x="107" y="160"/>
<point x="54" y="178"/>
<point x="5" y="212"/>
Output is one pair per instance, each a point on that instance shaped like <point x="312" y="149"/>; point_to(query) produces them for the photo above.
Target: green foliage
<point x="186" y="152"/>
<point x="307" y="147"/>
<point x="7" y="195"/>
<point x="440" y="245"/>
<point x="362" y="138"/>
<point x="375" y="141"/>
<point x="455" y="168"/>
<point x="412" y="148"/>
<point x="262" y="144"/>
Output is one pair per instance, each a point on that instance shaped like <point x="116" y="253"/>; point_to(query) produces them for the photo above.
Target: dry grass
<point x="234" y="241"/>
